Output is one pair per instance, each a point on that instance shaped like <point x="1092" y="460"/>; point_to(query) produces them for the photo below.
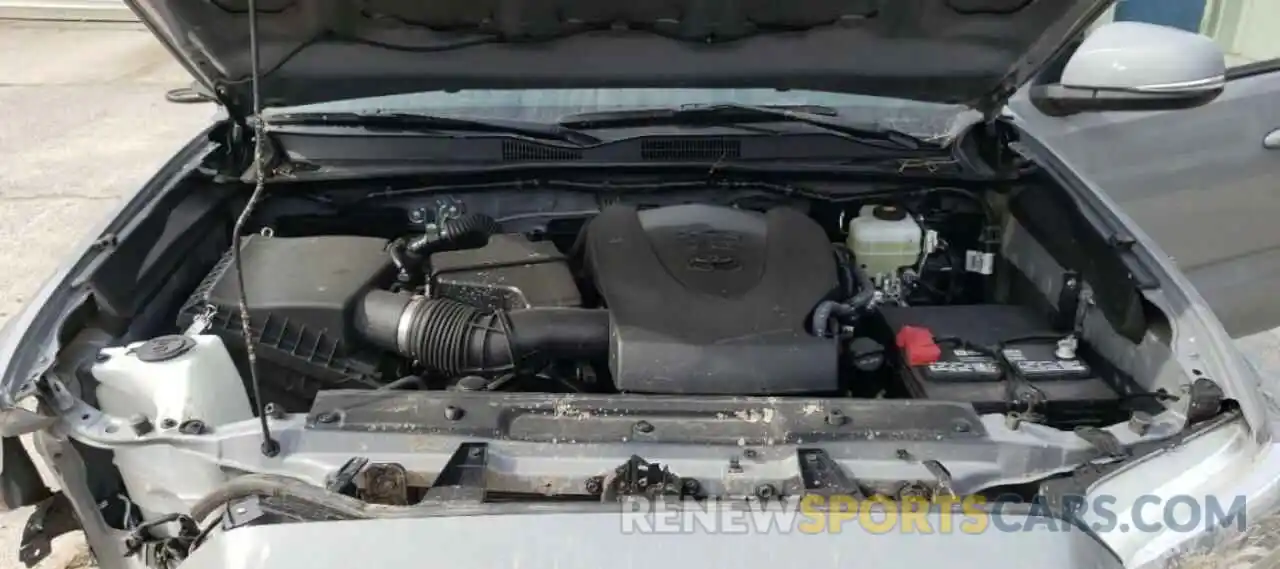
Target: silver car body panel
<point x="594" y="541"/>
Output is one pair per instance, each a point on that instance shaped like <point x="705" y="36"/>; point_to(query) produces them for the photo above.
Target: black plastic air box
<point x="300" y="292"/>
<point x="509" y="273"/>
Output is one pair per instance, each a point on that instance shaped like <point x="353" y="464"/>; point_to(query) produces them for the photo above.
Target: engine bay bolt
<point x="1140" y="422"/>
<point x="735" y="466"/>
<point x="594" y="486"/>
<point x="902" y="454"/>
<point x="766" y="491"/>
<point x="192" y="427"/>
<point x="453" y="413"/>
<point x="961" y="426"/>
<point x="644" y="427"/>
<point x="274" y="411"/>
<point x="836" y="418"/>
<point x="1012" y="421"/>
<point x="750" y="453"/>
<point x="140" y="424"/>
<point x="168" y="424"/>
<point x="327" y="417"/>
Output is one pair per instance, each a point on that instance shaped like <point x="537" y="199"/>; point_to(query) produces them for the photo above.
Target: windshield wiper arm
<point x="414" y="122"/>
<point x="730" y="114"/>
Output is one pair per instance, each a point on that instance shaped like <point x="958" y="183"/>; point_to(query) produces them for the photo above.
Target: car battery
<point x="967" y="371"/>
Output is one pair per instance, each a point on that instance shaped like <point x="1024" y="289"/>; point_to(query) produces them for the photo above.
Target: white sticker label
<point x="1032" y="367"/>
<point x="979" y="262"/>
<point x="963" y="367"/>
<point x="930" y="241"/>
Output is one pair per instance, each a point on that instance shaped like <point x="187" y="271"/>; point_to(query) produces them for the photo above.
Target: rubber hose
<point x="822" y="314"/>
<point x="396" y="250"/>
<point x="466" y="232"/>
<point x="562" y="333"/>
<point x="273" y="486"/>
<point x="844" y="261"/>
<point x="460" y="339"/>
<point x="186" y="95"/>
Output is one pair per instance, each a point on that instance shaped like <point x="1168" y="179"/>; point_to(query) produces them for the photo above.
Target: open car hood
<point x="974" y="52"/>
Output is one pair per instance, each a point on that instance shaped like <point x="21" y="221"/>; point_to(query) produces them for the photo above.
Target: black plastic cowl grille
<point x="681" y="149"/>
<point x="522" y="151"/>
<point x="678" y="149"/>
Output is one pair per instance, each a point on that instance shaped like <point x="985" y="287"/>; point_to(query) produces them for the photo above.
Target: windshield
<point x="932" y="121"/>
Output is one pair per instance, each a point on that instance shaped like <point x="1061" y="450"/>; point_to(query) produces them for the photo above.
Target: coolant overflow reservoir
<point x="883" y="239"/>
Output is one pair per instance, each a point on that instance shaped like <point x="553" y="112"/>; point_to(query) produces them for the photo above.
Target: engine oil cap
<point x="164" y="348"/>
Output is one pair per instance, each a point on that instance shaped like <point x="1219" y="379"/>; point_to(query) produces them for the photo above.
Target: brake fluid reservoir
<point x="171" y="380"/>
<point x="884" y="239"/>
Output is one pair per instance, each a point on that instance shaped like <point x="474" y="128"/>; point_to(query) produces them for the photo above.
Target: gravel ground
<point x="83" y="121"/>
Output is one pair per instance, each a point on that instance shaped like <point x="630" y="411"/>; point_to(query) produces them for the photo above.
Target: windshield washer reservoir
<point x="170" y="380"/>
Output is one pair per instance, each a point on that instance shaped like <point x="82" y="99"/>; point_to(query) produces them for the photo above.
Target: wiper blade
<point x="731" y="114"/>
<point x="414" y="122"/>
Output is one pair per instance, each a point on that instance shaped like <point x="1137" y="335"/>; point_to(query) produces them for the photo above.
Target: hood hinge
<point x="272" y="158"/>
<point x="992" y="106"/>
<point x="235" y="160"/>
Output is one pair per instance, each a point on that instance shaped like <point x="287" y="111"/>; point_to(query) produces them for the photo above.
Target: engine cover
<point x="713" y="300"/>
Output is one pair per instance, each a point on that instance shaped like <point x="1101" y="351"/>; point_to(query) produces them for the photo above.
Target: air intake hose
<point x="459" y="339"/>
<point x="466" y="232"/>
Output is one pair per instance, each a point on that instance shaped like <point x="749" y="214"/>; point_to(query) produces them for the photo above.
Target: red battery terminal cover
<point x="917" y="346"/>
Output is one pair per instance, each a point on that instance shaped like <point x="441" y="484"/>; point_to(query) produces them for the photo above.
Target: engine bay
<point x="382" y="350"/>
<point x="895" y="297"/>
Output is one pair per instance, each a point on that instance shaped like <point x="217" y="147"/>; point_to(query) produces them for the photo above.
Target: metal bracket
<point x="242" y="513"/>
<point x="344" y="480"/>
<point x="823" y="476"/>
<point x="639" y="477"/>
<point x="1106" y="443"/>
<point x="387" y="483"/>
<point x="1205" y="400"/>
<point x="463" y="478"/>
<point x="1069" y="302"/>
<point x="51" y="518"/>
<point x="942" y="476"/>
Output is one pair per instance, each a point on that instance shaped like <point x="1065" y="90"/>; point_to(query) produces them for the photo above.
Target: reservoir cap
<point x="889" y="213"/>
<point x="164" y="348"/>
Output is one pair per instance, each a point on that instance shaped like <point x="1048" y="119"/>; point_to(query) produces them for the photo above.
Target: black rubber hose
<point x="466" y="232"/>
<point x="268" y="485"/>
<point x="844" y="261"/>
<point x="396" y="250"/>
<point x="561" y="333"/>
<point x="459" y="339"/>
<point x="820" y="321"/>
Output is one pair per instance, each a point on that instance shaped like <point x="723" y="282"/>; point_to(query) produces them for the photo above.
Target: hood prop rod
<point x="269" y="446"/>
